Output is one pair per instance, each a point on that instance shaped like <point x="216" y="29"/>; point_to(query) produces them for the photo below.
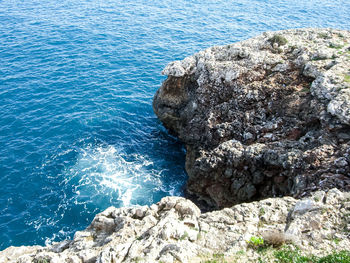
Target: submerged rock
<point x="175" y="230"/>
<point x="269" y="116"/>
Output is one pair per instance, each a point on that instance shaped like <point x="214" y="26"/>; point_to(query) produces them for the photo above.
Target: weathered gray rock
<point x="174" y="230"/>
<point x="265" y="117"/>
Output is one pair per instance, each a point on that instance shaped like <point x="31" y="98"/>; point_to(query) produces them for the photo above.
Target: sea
<point x="77" y="79"/>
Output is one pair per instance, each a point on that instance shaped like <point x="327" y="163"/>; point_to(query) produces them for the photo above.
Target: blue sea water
<point x="77" y="130"/>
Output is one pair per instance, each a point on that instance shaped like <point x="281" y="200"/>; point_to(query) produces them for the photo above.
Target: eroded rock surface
<point x="174" y="230"/>
<point x="265" y="117"/>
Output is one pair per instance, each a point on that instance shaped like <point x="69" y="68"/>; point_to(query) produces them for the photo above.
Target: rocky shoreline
<point x="269" y="116"/>
<point x="266" y="124"/>
<point x="174" y="230"/>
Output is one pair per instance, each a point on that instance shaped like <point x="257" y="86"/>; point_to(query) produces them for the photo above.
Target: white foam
<point x="106" y="171"/>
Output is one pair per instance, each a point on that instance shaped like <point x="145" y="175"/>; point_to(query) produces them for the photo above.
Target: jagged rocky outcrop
<point x="175" y="230"/>
<point x="264" y="117"/>
<point x="269" y="116"/>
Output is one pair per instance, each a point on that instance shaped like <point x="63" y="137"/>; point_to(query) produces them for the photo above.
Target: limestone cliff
<point x="174" y="230"/>
<point x="265" y="117"/>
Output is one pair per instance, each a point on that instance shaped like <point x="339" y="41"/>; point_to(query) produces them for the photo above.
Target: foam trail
<point x="101" y="176"/>
<point x="107" y="171"/>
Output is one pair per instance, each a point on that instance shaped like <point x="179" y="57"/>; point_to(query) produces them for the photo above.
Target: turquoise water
<point x="77" y="130"/>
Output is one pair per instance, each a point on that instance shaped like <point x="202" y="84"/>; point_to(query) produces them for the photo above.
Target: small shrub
<point x="331" y="45"/>
<point x="255" y="242"/>
<point x="336" y="257"/>
<point x="274" y="238"/>
<point x="280" y="40"/>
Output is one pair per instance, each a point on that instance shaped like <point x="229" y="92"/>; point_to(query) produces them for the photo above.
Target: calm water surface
<point x="77" y="130"/>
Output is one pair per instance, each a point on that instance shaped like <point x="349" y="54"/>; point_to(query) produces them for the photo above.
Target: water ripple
<point x="76" y="84"/>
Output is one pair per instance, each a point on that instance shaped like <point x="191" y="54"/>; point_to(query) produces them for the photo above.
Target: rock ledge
<point x="174" y="230"/>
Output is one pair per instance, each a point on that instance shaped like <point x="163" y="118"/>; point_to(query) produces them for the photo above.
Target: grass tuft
<point x="293" y="255"/>
<point x="280" y="40"/>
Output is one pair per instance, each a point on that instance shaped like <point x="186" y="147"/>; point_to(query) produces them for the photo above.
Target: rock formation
<point x="266" y="117"/>
<point x="269" y="116"/>
<point x="174" y="230"/>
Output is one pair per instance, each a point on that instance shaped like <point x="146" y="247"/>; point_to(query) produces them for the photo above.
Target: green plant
<point x="291" y="255"/>
<point x="336" y="240"/>
<point x="347" y="78"/>
<point x="336" y="46"/>
<point x="342" y="257"/>
<point x="255" y="242"/>
<point x="42" y="260"/>
<point x="261" y="211"/>
<point x="280" y="40"/>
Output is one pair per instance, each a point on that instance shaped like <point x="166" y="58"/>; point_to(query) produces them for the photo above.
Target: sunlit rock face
<point x="268" y="116"/>
<point x="175" y="230"/>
